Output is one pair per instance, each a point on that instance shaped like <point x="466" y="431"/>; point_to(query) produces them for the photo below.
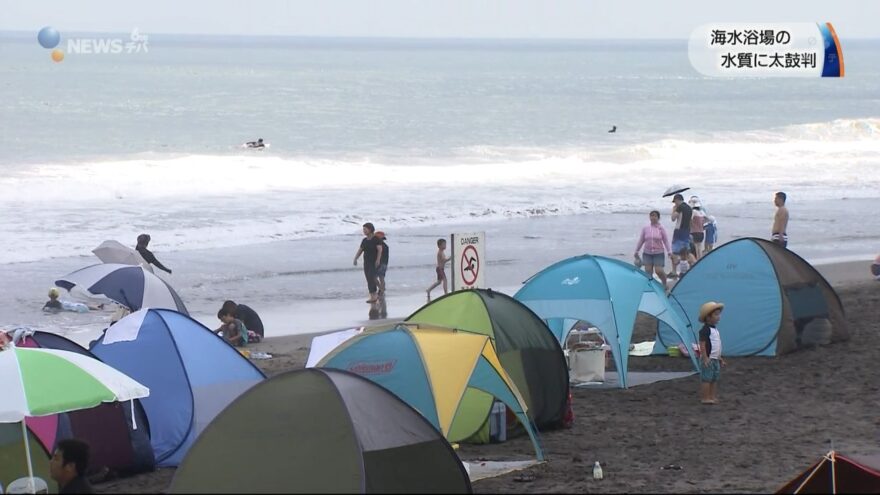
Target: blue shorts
<point x="380" y="272"/>
<point x="711" y="373"/>
<point x="711" y="233"/>
<point x="654" y="259"/>
<point x="679" y="244"/>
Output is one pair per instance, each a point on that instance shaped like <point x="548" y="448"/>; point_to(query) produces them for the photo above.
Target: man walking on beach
<point x="372" y="250"/>
<point x="780" y="221"/>
<point x="681" y="236"/>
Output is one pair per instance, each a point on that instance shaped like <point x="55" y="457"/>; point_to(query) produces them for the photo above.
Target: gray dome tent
<point x="320" y="430"/>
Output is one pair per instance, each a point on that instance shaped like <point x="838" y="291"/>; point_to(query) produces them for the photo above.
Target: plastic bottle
<point x="597" y="471"/>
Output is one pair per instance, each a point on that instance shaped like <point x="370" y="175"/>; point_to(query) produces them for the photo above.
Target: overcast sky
<point x="433" y="18"/>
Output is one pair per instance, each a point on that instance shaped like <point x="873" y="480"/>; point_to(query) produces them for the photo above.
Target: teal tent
<point x="775" y="302"/>
<point x="607" y="293"/>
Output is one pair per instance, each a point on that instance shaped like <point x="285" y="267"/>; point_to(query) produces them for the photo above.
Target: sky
<point x="590" y="19"/>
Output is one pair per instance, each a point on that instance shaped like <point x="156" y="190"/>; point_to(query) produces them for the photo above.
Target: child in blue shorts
<point x="710" y="352"/>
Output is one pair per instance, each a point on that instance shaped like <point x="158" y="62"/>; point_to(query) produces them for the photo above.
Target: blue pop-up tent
<point x="192" y="374"/>
<point x="607" y="293"/>
<point x="775" y="302"/>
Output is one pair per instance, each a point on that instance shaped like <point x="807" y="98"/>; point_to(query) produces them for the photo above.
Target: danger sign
<point x="468" y="259"/>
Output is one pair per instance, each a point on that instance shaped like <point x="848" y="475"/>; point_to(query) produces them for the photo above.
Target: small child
<point x="683" y="265"/>
<point x="234" y="331"/>
<point x="710" y="352"/>
<point x="440" y="269"/>
<point x="875" y="268"/>
<point x="53" y="304"/>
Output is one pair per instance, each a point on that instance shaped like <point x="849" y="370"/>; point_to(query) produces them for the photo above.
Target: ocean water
<point x="421" y="137"/>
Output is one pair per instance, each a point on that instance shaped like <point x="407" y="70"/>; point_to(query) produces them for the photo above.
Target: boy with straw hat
<point x="710" y="352"/>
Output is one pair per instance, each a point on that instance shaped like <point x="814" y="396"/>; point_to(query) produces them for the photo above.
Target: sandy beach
<point x="775" y="417"/>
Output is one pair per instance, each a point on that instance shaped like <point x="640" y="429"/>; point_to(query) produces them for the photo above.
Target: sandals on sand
<point x="524" y="477"/>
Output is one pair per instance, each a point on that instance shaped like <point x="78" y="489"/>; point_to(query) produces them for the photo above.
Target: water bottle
<point x="597" y="471"/>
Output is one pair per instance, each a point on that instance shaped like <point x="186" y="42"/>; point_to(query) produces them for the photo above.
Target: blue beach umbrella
<point x="131" y="286"/>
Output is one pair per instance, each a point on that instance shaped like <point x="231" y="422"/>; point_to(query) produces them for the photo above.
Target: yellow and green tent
<point x="527" y="348"/>
<point x="434" y="370"/>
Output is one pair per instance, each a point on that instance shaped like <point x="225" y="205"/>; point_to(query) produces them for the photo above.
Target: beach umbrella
<point x="675" y="189"/>
<point x="131" y="286"/>
<point x="42" y="382"/>
<point x="115" y="252"/>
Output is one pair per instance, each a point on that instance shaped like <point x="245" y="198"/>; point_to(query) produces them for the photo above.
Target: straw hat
<point x="707" y="309"/>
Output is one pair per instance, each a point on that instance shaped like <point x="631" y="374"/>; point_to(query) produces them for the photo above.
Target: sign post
<point x="468" y="260"/>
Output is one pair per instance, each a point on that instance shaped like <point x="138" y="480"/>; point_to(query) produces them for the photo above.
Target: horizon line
<point x="24" y="33"/>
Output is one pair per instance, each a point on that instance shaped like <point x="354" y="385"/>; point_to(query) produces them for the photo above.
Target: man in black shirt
<point x="372" y="250"/>
<point x="248" y="316"/>
<point x="681" y="236"/>
<point x="68" y="466"/>
<point x="142" y="241"/>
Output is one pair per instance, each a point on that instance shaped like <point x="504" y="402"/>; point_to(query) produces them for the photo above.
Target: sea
<point x="423" y="138"/>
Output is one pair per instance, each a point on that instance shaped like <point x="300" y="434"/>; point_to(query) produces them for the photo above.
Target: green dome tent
<point x="320" y="431"/>
<point x="528" y="351"/>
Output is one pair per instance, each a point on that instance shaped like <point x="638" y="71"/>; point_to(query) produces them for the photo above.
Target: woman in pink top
<point x="655" y="242"/>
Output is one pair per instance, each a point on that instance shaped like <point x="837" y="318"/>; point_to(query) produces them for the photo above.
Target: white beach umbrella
<point x="111" y="251"/>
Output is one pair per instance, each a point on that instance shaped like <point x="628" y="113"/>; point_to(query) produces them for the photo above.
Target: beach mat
<point x="636" y="378"/>
<point x="479" y="470"/>
<point x="642" y="349"/>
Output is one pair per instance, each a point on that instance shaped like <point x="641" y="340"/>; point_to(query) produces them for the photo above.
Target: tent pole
<point x="813" y="473"/>
<point x="833" y="473"/>
<point x="27" y="452"/>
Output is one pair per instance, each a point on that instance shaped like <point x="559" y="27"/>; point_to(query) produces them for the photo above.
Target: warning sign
<point x="468" y="258"/>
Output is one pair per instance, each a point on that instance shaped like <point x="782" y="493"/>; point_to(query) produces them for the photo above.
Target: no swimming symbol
<point x="470" y="265"/>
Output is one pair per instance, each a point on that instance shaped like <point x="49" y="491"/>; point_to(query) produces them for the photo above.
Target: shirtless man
<point x="780" y="221"/>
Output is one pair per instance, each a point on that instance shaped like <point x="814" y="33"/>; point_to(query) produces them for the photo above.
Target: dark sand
<point x="775" y="417"/>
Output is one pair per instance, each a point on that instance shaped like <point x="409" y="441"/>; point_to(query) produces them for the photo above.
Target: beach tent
<point x="607" y="293"/>
<point x="13" y="458"/>
<point x="130" y="286"/>
<point x="434" y="369"/>
<point x="834" y="473"/>
<point x="113" y="439"/>
<point x="528" y="351"/>
<point x="320" y="431"/>
<point x="323" y="344"/>
<point x="191" y="372"/>
<point x="774" y="301"/>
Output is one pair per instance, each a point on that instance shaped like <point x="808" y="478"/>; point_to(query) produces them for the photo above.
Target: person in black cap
<point x="681" y="236"/>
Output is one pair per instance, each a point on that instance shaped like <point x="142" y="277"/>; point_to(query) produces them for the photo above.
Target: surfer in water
<point x="256" y="144"/>
<point x="613" y="129"/>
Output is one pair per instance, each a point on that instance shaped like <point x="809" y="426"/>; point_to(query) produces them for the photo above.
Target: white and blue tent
<point x="131" y="286"/>
<point x="774" y="301"/>
<point x="192" y="374"/>
<point x="607" y="293"/>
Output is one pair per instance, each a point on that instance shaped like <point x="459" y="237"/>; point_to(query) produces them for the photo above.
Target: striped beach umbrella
<point x="40" y="382"/>
<point x="131" y="286"/>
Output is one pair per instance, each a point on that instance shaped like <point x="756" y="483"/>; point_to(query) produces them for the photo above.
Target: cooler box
<point x="587" y="365"/>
